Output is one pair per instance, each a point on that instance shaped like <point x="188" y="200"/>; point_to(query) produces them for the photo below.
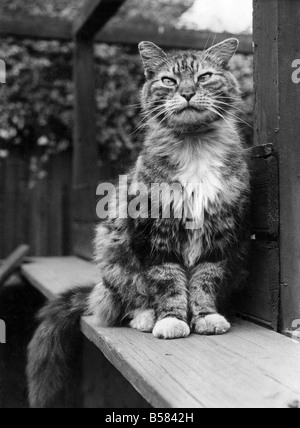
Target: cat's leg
<point x="143" y="320"/>
<point x="204" y="289"/>
<point x="104" y="306"/>
<point x="168" y="287"/>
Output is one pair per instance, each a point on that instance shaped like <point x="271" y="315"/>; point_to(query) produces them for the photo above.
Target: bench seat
<point x="251" y="367"/>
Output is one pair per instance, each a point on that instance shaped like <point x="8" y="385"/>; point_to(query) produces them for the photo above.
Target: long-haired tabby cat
<point x="157" y="274"/>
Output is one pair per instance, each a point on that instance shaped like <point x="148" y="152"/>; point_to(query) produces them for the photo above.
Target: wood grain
<point x="265" y="197"/>
<point x="251" y="367"/>
<point x="38" y="215"/>
<point x="277" y="112"/>
<point x="54" y="275"/>
<point x="260" y="299"/>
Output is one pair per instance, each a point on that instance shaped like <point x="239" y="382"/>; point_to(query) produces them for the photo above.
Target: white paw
<point x="143" y="320"/>
<point x="213" y="324"/>
<point x="171" y="328"/>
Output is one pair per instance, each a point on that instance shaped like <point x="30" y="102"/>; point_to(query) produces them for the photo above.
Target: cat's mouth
<point x="191" y="108"/>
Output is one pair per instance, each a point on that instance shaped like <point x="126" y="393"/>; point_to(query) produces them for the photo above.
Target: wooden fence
<point x="37" y="215"/>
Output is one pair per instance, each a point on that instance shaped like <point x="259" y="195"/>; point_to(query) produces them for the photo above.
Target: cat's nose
<point x="188" y="96"/>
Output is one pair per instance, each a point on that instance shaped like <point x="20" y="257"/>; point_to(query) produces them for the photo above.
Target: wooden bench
<point x="251" y="367"/>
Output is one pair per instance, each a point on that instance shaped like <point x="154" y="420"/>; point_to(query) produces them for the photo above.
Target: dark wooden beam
<point x="168" y="37"/>
<point x="94" y="15"/>
<point x="85" y="149"/>
<point x="34" y="27"/>
<point x="276" y="37"/>
<point x="85" y="152"/>
<point x="41" y="28"/>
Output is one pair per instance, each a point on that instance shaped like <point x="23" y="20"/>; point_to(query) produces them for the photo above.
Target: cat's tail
<point x="53" y="349"/>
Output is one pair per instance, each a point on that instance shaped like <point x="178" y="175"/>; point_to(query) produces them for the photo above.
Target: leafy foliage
<point x="36" y="104"/>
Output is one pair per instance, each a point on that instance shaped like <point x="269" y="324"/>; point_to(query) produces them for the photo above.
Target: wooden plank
<point x="166" y="37"/>
<point x="260" y="299"/>
<point x="85" y="147"/>
<point x="277" y="113"/>
<point x="93" y="16"/>
<point x="54" y="275"/>
<point x="59" y="212"/>
<point x="251" y="367"/>
<point x="265" y="197"/>
<point x="85" y="151"/>
<point x="13" y="262"/>
<point x="34" y="27"/>
<point x="44" y="28"/>
<point x="104" y="387"/>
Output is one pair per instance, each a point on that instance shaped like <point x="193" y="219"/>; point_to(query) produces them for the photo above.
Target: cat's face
<point x="189" y="89"/>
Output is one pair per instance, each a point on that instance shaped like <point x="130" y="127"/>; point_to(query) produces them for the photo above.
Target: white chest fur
<point x="200" y="174"/>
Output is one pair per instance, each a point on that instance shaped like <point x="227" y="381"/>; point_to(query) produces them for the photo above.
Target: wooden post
<point x="85" y="150"/>
<point x="277" y="45"/>
<point x="94" y="15"/>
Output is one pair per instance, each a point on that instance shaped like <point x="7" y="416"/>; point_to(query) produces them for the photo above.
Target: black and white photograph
<point x="150" y="207"/>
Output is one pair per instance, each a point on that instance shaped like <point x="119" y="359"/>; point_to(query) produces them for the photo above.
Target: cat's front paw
<point x="143" y="320"/>
<point x="171" y="328"/>
<point x="214" y="324"/>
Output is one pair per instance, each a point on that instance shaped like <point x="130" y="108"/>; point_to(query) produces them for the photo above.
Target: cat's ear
<point x="152" y="57"/>
<point x="224" y="51"/>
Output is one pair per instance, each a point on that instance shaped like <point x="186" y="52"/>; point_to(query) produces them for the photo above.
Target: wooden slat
<point x="13" y="262"/>
<point x="250" y="367"/>
<point x="166" y="37"/>
<point x="260" y="299"/>
<point x="85" y="146"/>
<point x="93" y="16"/>
<point x="44" y="28"/>
<point x="265" y="197"/>
<point x="54" y="275"/>
<point x="277" y="112"/>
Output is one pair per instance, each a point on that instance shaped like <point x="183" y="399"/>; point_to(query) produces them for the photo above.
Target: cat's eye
<point x="167" y="81"/>
<point x="205" y="77"/>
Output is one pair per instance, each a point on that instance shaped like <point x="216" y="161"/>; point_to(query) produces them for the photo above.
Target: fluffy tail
<point x="53" y="349"/>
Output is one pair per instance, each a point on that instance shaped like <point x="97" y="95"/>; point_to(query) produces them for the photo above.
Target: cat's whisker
<point x="228" y="105"/>
<point x="148" y="120"/>
<point x="236" y="118"/>
<point x="211" y="109"/>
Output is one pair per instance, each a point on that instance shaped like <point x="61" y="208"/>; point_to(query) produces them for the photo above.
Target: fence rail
<point x="46" y="28"/>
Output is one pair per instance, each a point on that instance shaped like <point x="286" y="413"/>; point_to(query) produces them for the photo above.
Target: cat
<point x="160" y="275"/>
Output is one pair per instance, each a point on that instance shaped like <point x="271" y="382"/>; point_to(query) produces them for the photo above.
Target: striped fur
<point x="160" y="274"/>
